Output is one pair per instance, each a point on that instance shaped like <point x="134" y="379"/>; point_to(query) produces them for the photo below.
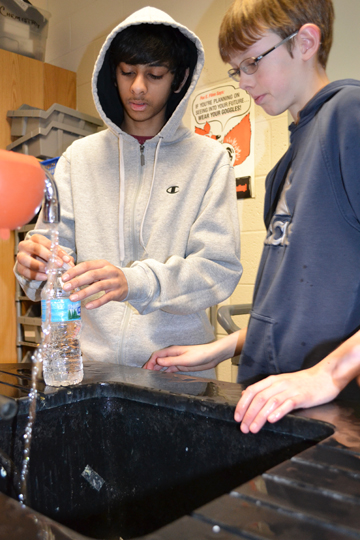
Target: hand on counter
<point x="97" y="278"/>
<point x="277" y="395"/>
<point x="33" y="256"/>
<point x="196" y="357"/>
<point x="183" y="358"/>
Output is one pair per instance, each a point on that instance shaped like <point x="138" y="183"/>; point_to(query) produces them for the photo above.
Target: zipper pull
<point x="142" y="157"/>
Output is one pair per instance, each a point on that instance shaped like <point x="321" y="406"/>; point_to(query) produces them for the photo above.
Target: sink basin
<point x="116" y="459"/>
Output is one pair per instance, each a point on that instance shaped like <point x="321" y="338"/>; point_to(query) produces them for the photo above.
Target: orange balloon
<point x="22" y="183"/>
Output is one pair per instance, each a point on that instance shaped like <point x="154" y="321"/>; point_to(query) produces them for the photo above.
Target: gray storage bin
<point x="48" y="142"/>
<point x="31" y="324"/>
<point x="27" y="119"/>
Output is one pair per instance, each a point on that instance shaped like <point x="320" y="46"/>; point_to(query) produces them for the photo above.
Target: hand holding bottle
<point x="96" y="278"/>
<point x="33" y="256"/>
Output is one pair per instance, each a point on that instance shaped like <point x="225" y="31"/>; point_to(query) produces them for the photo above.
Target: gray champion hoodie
<point x="165" y="213"/>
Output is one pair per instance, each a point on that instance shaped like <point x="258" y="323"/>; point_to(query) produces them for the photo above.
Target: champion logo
<point x="172" y="189"/>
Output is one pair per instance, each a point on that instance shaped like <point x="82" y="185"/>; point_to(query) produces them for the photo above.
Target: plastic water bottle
<point x="62" y="361"/>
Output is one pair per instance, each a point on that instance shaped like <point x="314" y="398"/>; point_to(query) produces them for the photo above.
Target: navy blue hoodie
<point x="307" y="297"/>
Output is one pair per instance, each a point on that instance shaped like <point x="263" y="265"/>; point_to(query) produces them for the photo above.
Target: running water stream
<point x="37" y="361"/>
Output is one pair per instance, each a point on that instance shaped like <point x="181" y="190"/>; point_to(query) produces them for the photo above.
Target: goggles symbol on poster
<point x="225" y="113"/>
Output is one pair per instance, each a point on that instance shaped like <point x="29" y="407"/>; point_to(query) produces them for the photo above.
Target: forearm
<point x="343" y="364"/>
<point x="181" y="285"/>
<point x="229" y="346"/>
<point x="196" y="357"/>
<point x="241" y="336"/>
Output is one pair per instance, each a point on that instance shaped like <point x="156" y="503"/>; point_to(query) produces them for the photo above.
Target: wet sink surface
<point x="130" y="452"/>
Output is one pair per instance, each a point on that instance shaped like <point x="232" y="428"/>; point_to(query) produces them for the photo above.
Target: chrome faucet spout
<point x="51" y="205"/>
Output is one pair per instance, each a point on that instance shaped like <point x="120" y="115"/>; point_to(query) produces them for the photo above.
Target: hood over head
<point x="105" y="93"/>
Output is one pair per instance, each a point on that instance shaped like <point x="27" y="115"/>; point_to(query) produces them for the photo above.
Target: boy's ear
<point x="187" y="71"/>
<point x="309" y="39"/>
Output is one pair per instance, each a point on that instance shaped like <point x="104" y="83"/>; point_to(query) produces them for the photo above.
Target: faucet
<point x="51" y="209"/>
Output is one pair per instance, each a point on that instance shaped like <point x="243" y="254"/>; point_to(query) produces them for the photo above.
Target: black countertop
<point x="313" y="495"/>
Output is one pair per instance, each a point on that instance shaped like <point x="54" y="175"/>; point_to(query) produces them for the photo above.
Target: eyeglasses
<point x="250" y="65"/>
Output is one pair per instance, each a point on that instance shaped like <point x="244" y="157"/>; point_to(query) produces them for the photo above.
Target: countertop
<point x="313" y="495"/>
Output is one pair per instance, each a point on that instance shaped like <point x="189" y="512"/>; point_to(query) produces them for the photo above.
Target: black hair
<point x="154" y="44"/>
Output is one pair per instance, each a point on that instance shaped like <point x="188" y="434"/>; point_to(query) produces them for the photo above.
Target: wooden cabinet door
<point x="23" y="81"/>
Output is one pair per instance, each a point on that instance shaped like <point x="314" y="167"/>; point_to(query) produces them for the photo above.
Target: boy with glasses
<point x="307" y="294"/>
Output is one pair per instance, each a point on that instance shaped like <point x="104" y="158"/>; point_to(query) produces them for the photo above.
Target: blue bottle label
<point x="62" y="310"/>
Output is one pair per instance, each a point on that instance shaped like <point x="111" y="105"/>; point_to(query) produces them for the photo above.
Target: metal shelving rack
<point x="28" y="313"/>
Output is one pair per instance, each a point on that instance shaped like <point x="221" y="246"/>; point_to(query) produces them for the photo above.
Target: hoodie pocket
<point x="258" y="356"/>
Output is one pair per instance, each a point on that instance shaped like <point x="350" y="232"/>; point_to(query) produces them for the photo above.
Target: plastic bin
<point x="49" y="142"/>
<point x="27" y="119"/>
<point x="31" y="324"/>
<point x="23" y="28"/>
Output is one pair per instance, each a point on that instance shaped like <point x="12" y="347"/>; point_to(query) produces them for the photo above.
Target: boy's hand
<point x="33" y="256"/>
<point x="96" y="277"/>
<point x="182" y="358"/>
<point x="277" y="395"/>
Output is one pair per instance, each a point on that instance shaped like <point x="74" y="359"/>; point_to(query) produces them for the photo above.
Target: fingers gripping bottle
<point x="61" y="325"/>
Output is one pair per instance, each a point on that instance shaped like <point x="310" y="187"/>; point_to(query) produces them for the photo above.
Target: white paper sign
<point x="225" y="113"/>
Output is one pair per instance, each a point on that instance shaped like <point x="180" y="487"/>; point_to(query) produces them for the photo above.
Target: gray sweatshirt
<point x="169" y="221"/>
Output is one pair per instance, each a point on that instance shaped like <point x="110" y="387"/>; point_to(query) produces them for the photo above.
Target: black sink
<point x="117" y="458"/>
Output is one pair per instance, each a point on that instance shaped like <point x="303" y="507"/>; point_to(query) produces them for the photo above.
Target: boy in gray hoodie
<point x="148" y="208"/>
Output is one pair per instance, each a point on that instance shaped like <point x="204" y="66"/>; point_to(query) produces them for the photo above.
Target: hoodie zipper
<point x="138" y="188"/>
<point x="127" y="311"/>
<point x="142" y="156"/>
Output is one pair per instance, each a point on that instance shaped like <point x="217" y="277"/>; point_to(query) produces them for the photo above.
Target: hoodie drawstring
<point x="151" y="190"/>
<point x="121" y="202"/>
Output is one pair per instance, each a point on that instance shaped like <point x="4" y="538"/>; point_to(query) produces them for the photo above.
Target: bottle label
<point x="62" y="310"/>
